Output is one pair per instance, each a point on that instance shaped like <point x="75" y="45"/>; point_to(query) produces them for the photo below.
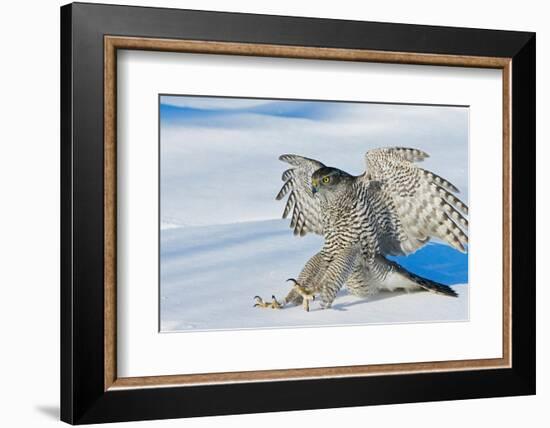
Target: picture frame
<point x="91" y="390"/>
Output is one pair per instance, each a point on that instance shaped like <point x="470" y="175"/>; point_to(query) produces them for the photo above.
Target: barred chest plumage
<point x="345" y="220"/>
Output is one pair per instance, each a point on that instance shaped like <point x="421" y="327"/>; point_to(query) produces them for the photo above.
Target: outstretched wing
<point x="305" y="208"/>
<point x="422" y="202"/>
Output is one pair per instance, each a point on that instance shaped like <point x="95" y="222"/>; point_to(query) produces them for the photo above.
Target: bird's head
<point x="327" y="182"/>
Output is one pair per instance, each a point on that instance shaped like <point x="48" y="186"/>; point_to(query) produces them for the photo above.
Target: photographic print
<point x="278" y="213"/>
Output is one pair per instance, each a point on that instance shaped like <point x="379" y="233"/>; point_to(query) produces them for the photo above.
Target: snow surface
<point x="210" y="275"/>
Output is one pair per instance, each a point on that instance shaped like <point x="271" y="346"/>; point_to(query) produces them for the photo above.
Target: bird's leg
<point x="336" y="275"/>
<point x="361" y="283"/>
<point x="309" y="277"/>
<point x="305" y="293"/>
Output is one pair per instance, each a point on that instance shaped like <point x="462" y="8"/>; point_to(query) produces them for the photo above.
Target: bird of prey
<point x="393" y="208"/>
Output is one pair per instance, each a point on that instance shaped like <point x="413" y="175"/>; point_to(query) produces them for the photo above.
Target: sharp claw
<point x="274" y="304"/>
<point x="306" y="293"/>
<point x="259" y="302"/>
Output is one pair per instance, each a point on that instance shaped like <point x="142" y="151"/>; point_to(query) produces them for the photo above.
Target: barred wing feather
<point x="305" y="208"/>
<point x="424" y="203"/>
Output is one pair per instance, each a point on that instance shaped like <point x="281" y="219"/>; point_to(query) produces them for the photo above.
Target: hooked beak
<point x="314" y="188"/>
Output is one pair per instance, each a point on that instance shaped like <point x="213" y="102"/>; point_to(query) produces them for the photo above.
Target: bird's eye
<point x="326" y="180"/>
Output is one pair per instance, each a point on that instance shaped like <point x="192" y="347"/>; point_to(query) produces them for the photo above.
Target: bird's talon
<point x="306" y="293"/>
<point x="260" y="303"/>
<point x="275" y="304"/>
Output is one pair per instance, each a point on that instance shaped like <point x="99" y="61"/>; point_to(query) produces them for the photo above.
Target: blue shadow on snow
<point x="437" y="262"/>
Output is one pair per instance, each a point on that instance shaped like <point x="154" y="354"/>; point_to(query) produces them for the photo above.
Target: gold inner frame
<point x="113" y="43"/>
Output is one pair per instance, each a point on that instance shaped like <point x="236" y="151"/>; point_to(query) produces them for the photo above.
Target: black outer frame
<point x="83" y="399"/>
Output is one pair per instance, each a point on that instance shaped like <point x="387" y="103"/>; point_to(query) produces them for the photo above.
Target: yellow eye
<point x="326" y="179"/>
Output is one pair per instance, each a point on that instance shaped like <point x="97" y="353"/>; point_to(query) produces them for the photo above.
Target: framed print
<point x="265" y="213"/>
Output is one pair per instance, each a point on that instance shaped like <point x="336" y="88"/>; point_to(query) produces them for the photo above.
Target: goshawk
<point x="393" y="208"/>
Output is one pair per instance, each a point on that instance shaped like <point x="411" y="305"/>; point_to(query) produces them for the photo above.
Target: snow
<point x="210" y="275"/>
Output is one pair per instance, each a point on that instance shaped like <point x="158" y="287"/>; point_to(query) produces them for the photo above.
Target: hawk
<point x="393" y="208"/>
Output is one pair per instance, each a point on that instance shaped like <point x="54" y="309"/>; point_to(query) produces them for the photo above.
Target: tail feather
<point x="383" y="274"/>
<point x="434" y="287"/>
<point x="425" y="283"/>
